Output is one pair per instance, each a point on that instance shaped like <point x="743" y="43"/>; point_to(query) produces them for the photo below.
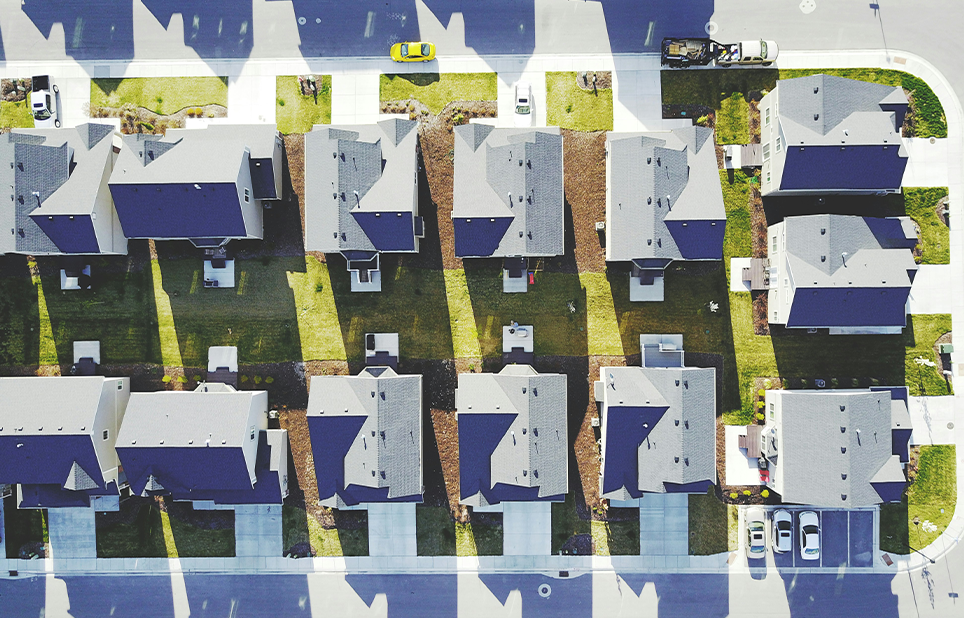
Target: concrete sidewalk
<point x="932" y="419"/>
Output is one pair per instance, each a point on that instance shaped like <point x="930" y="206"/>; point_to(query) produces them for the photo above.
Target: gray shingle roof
<point x="390" y="439"/>
<point x="49" y="405"/>
<point x="832" y="444"/>
<point x="654" y="178"/>
<point x="533" y="452"/>
<point x="492" y="164"/>
<point x="378" y="161"/>
<point x="815" y="245"/>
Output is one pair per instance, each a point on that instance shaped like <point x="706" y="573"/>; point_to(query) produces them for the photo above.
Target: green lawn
<point x="15" y="115"/>
<point x="162" y="95"/>
<point x="297" y="113"/>
<point x="732" y="124"/>
<point x="22" y="526"/>
<point x="436" y="90"/>
<point x="615" y="538"/>
<point x="149" y="536"/>
<point x="711" y="525"/>
<point x="570" y="107"/>
<point x="475" y="539"/>
<point x="299" y="527"/>
<point x="931" y="498"/>
<point x="919" y="337"/>
<point x="738" y="241"/>
<point x="921" y="204"/>
<point x="435" y="531"/>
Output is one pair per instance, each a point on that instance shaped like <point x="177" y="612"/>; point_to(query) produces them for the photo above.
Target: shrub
<point x="257" y="379"/>
<point x="244" y="379"/>
<point x="761" y="393"/>
<point x="147" y="126"/>
<point x="759" y="416"/>
<point x="458" y="118"/>
<point x="197" y="378"/>
<point x="281" y="102"/>
<point x="746" y="492"/>
<point x="182" y="379"/>
<point x="569" y="108"/>
<point x="166" y="379"/>
<point x="733" y="495"/>
<point x="765" y="493"/>
<point x="703" y="120"/>
<point x="319" y="287"/>
<point x="268" y="380"/>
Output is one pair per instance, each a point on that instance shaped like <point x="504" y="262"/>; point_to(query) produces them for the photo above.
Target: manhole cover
<point x="545" y="591"/>
<point x="950" y="425"/>
<point x="808" y="6"/>
<point x="302" y="21"/>
<point x="317" y="20"/>
<point x="711" y="27"/>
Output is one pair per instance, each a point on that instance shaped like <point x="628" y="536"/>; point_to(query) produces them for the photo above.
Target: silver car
<point x="756" y="542"/>
<point x="782" y="531"/>
<point x="523" y="104"/>
<point x="809" y="535"/>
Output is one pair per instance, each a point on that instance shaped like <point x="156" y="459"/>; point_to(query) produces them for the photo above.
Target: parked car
<point x="413" y="52"/>
<point x="43" y="102"/>
<point x="681" y="53"/>
<point x="523" y="104"/>
<point x="756" y="543"/>
<point x="747" y="53"/>
<point x="782" y="531"/>
<point x="809" y="535"/>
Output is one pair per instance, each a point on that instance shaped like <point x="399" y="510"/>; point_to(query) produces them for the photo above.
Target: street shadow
<point x="212" y="29"/>
<point x="705" y="595"/>
<point x="248" y="595"/>
<point x="99" y="596"/>
<point x="409" y="595"/>
<point x="360" y="28"/>
<point x="840" y="594"/>
<point x="493" y="27"/>
<point x="640" y="27"/>
<point x="93" y="30"/>
<point x="24" y="597"/>
<point x="19" y="314"/>
<point x="564" y="597"/>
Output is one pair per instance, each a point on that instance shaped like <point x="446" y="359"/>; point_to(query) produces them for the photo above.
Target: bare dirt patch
<point x="754" y="122"/>
<point x="594" y="80"/>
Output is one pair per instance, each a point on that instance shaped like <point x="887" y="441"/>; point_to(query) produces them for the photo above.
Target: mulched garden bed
<point x="584" y="168"/>
<point x="761" y="323"/>
<point x="604" y="80"/>
<point x="142" y="120"/>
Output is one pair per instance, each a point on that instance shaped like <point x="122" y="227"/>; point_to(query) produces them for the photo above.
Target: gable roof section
<point x="361" y="192"/>
<point x="508" y="192"/>
<point x="366" y="436"/>
<point x="832" y="445"/>
<point x="664" y="196"/>
<point x="512" y="436"/>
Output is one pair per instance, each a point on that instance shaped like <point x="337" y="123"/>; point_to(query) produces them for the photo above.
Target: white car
<point x="43" y="102"/>
<point x="809" y="535"/>
<point x="523" y="105"/>
<point x="756" y="542"/>
<point x="782" y="531"/>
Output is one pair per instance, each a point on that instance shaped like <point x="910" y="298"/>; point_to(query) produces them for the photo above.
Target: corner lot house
<point x="361" y="195"/>
<point x="203" y="185"/>
<point x="57" y="437"/>
<point x="211" y="446"/>
<point x="849" y="274"/>
<point x="663" y="204"/>
<point x="512" y="436"/>
<point x="366" y="437"/>
<point x="658" y="424"/>
<point x="837" y="448"/>
<point x="508" y="197"/>
<point x="825" y="134"/>
<point x="59" y="202"/>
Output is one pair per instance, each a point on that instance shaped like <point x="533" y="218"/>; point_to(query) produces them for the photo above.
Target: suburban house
<point x="658" y="424"/>
<point x="211" y="446"/>
<point x="664" y="203"/>
<point x="513" y="444"/>
<point x="59" y="203"/>
<point x="836" y="448"/>
<point x="57" y="436"/>
<point x="826" y="134"/>
<point x="361" y="195"/>
<point x="207" y="185"/>
<point x="366" y="437"/>
<point x="508" y="199"/>
<point x="849" y="274"/>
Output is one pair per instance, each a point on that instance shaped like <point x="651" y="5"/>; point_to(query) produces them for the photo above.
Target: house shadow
<point x="19" y="314"/>
<point x="95" y="597"/>
<point x="494" y="27"/>
<point x="93" y="30"/>
<point x="705" y="595"/>
<point x="24" y="596"/>
<point x="213" y="29"/>
<point x="256" y="595"/>
<point x="841" y="594"/>
<point x="543" y="596"/>
<point x="339" y="29"/>
<point x="409" y="595"/>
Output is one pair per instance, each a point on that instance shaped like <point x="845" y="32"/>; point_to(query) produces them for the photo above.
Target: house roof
<point x="512" y="436"/>
<point x="366" y="434"/>
<point x="660" y="429"/>
<point x="866" y="287"/>
<point x="656" y="182"/>
<point x="831" y="445"/>
<point x="52" y="172"/>
<point x="379" y="162"/>
<point x="508" y="192"/>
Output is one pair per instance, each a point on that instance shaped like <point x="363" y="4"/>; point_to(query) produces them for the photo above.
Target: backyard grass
<point x="712" y="525"/>
<point x="296" y="112"/>
<point x="465" y="335"/>
<point x="570" y="107"/>
<point x="22" y="526"/>
<point x="434" y="531"/>
<point x="436" y="90"/>
<point x="731" y="120"/>
<point x="602" y="326"/>
<point x="162" y="95"/>
<point x="921" y="205"/>
<point x="474" y="539"/>
<point x="300" y="527"/>
<point x="156" y="534"/>
<point x="15" y="115"/>
<point x="737" y="242"/>
<point x="931" y="498"/>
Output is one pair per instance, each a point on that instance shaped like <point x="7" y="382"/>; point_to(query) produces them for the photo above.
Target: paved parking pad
<point x="833" y="542"/>
<point x="862" y="538"/>
<point x="846" y="539"/>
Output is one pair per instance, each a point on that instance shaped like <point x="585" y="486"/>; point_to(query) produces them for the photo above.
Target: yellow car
<point x="413" y="52"/>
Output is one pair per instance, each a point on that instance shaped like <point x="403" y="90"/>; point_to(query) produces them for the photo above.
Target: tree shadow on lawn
<point x="557" y="330"/>
<point x="707" y="335"/>
<point x="19" y="313"/>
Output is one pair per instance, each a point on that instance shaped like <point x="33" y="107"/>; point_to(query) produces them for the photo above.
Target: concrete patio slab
<point x="740" y="469"/>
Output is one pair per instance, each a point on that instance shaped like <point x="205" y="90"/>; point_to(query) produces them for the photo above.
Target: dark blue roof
<point x="841" y="307"/>
<point x="178" y="210"/>
<point x="387" y="230"/>
<point x="53" y="496"/>
<point x="182" y="470"/>
<point x="71" y="234"/>
<point x="331" y="437"/>
<point x="479" y="236"/>
<point x="698" y="240"/>
<point x="624" y="434"/>
<point x="266" y="491"/>
<point x="870" y="168"/>
<point x="46" y="459"/>
<point x="890" y="233"/>
<point x="900" y="443"/>
<point x="889" y="492"/>
<point x="262" y="179"/>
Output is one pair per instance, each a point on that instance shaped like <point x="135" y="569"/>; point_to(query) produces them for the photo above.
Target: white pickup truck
<point x="43" y="102"/>
<point x="748" y="52"/>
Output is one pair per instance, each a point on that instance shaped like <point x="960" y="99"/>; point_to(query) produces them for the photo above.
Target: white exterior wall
<point x="257" y="421"/>
<point x="252" y="209"/>
<point x="114" y="396"/>
<point x="774" y="419"/>
<point x="782" y="289"/>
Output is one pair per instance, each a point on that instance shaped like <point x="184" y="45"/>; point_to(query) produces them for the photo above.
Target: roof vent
<point x="843" y="408"/>
<point x="816" y="89"/>
<point x="843" y="449"/>
<point x="649" y="200"/>
<point x="843" y="429"/>
<point x="843" y="476"/>
<point x="816" y="116"/>
<point x="843" y="496"/>
<point x="197" y="186"/>
<point x="676" y="422"/>
<point x="686" y="460"/>
<point x="676" y="459"/>
<point x="649" y="160"/>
